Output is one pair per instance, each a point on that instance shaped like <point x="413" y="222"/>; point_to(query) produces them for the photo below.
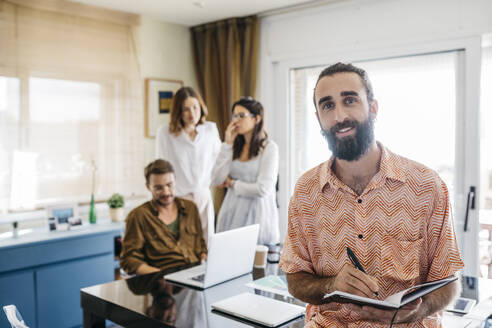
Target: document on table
<point x="272" y="284"/>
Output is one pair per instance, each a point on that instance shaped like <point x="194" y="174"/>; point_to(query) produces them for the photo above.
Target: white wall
<point x="164" y="51"/>
<point x="349" y="31"/>
<point x="371" y="24"/>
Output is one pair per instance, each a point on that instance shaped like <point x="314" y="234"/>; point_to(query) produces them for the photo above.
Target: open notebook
<point x="394" y="301"/>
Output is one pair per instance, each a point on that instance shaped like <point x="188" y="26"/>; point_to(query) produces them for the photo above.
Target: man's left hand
<point x="369" y="313"/>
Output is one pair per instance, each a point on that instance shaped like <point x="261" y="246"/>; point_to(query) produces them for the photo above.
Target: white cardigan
<point x="251" y="201"/>
<point x="267" y="175"/>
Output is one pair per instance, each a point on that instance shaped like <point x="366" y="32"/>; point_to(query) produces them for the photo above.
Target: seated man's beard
<point x="350" y="148"/>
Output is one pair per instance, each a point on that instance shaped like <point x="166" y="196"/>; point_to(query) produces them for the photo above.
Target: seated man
<point x="165" y="232"/>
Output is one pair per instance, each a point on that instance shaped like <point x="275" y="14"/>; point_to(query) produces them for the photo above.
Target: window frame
<point x="467" y="154"/>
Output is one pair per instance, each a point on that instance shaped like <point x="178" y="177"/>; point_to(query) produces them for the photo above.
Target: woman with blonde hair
<point x="247" y="166"/>
<point x="191" y="144"/>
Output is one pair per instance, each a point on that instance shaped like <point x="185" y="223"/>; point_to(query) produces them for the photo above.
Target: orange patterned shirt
<point x="400" y="228"/>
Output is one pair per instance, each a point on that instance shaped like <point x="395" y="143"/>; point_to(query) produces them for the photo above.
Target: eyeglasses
<point x="241" y="115"/>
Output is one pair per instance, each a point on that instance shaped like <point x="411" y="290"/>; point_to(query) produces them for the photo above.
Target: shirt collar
<point x="199" y="127"/>
<point x="199" y="132"/>
<point x="391" y="166"/>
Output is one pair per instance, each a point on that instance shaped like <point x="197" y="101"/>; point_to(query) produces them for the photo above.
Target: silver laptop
<point x="230" y="254"/>
<point x="259" y="309"/>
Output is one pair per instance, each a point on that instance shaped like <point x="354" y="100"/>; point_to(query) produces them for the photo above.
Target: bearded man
<point x="165" y="232"/>
<point x="392" y="212"/>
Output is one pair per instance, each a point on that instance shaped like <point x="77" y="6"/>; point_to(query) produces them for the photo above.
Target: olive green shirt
<point x="148" y="240"/>
<point x="174" y="227"/>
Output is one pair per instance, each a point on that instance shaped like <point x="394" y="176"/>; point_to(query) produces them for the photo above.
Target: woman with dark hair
<point x="191" y="144"/>
<point x="247" y="166"/>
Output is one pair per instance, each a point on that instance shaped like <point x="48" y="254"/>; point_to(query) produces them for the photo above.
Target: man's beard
<point x="162" y="202"/>
<point x="350" y="148"/>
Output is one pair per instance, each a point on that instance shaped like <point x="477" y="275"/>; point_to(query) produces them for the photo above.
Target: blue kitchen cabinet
<point x="18" y="288"/>
<point x="58" y="289"/>
<point x="43" y="275"/>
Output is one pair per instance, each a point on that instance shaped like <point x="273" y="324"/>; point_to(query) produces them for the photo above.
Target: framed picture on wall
<point x="159" y="95"/>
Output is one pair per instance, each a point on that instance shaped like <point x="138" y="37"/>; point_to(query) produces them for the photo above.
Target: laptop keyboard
<point x="199" y="278"/>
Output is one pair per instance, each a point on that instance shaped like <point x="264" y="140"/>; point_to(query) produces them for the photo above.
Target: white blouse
<point x="193" y="160"/>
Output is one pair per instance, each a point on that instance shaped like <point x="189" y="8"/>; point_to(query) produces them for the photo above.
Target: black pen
<point x="356" y="262"/>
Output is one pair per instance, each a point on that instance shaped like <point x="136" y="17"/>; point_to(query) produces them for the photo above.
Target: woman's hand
<point x="229" y="182"/>
<point x="231" y="133"/>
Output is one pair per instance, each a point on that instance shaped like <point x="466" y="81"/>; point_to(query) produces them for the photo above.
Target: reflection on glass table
<point x="171" y="304"/>
<point x="150" y="301"/>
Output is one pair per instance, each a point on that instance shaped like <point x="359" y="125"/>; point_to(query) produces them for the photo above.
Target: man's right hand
<point x="144" y="268"/>
<point x="312" y="289"/>
<point x="354" y="281"/>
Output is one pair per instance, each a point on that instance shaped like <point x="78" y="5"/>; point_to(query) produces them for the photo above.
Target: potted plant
<point x="116" y="203"/>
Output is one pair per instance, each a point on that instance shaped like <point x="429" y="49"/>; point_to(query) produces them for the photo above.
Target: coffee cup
<point x="261" y="256"/>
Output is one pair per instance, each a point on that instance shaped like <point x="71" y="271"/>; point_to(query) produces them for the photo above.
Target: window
<point x="9" y="132"/>
<point x="420" y="100"/>
<point x="62" y="139"/>
<point x="416" y="118"/>
<point x="486" y="166"/>
<point x="60" y="101"/>
<point x="70" y="105"/>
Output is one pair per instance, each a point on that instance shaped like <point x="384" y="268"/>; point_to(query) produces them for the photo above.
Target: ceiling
<point x="194" y="12"/>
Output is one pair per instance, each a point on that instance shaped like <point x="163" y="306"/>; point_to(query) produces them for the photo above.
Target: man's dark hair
<point x="347" y="68"/>
<point x="159" y="166"/>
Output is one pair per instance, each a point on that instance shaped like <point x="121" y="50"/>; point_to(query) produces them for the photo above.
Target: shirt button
<point x="359" y="200"/>
<point x="360" y="236"/>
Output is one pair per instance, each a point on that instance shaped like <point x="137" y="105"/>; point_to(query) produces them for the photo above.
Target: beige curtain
<point x="226" y="54"/>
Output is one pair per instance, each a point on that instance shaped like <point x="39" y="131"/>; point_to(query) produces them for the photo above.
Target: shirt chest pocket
<point x="400" y="259"/>
<point x="187" y="239"/>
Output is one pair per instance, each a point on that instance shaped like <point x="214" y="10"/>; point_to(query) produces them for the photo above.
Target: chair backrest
<point x="14" y="316"/>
